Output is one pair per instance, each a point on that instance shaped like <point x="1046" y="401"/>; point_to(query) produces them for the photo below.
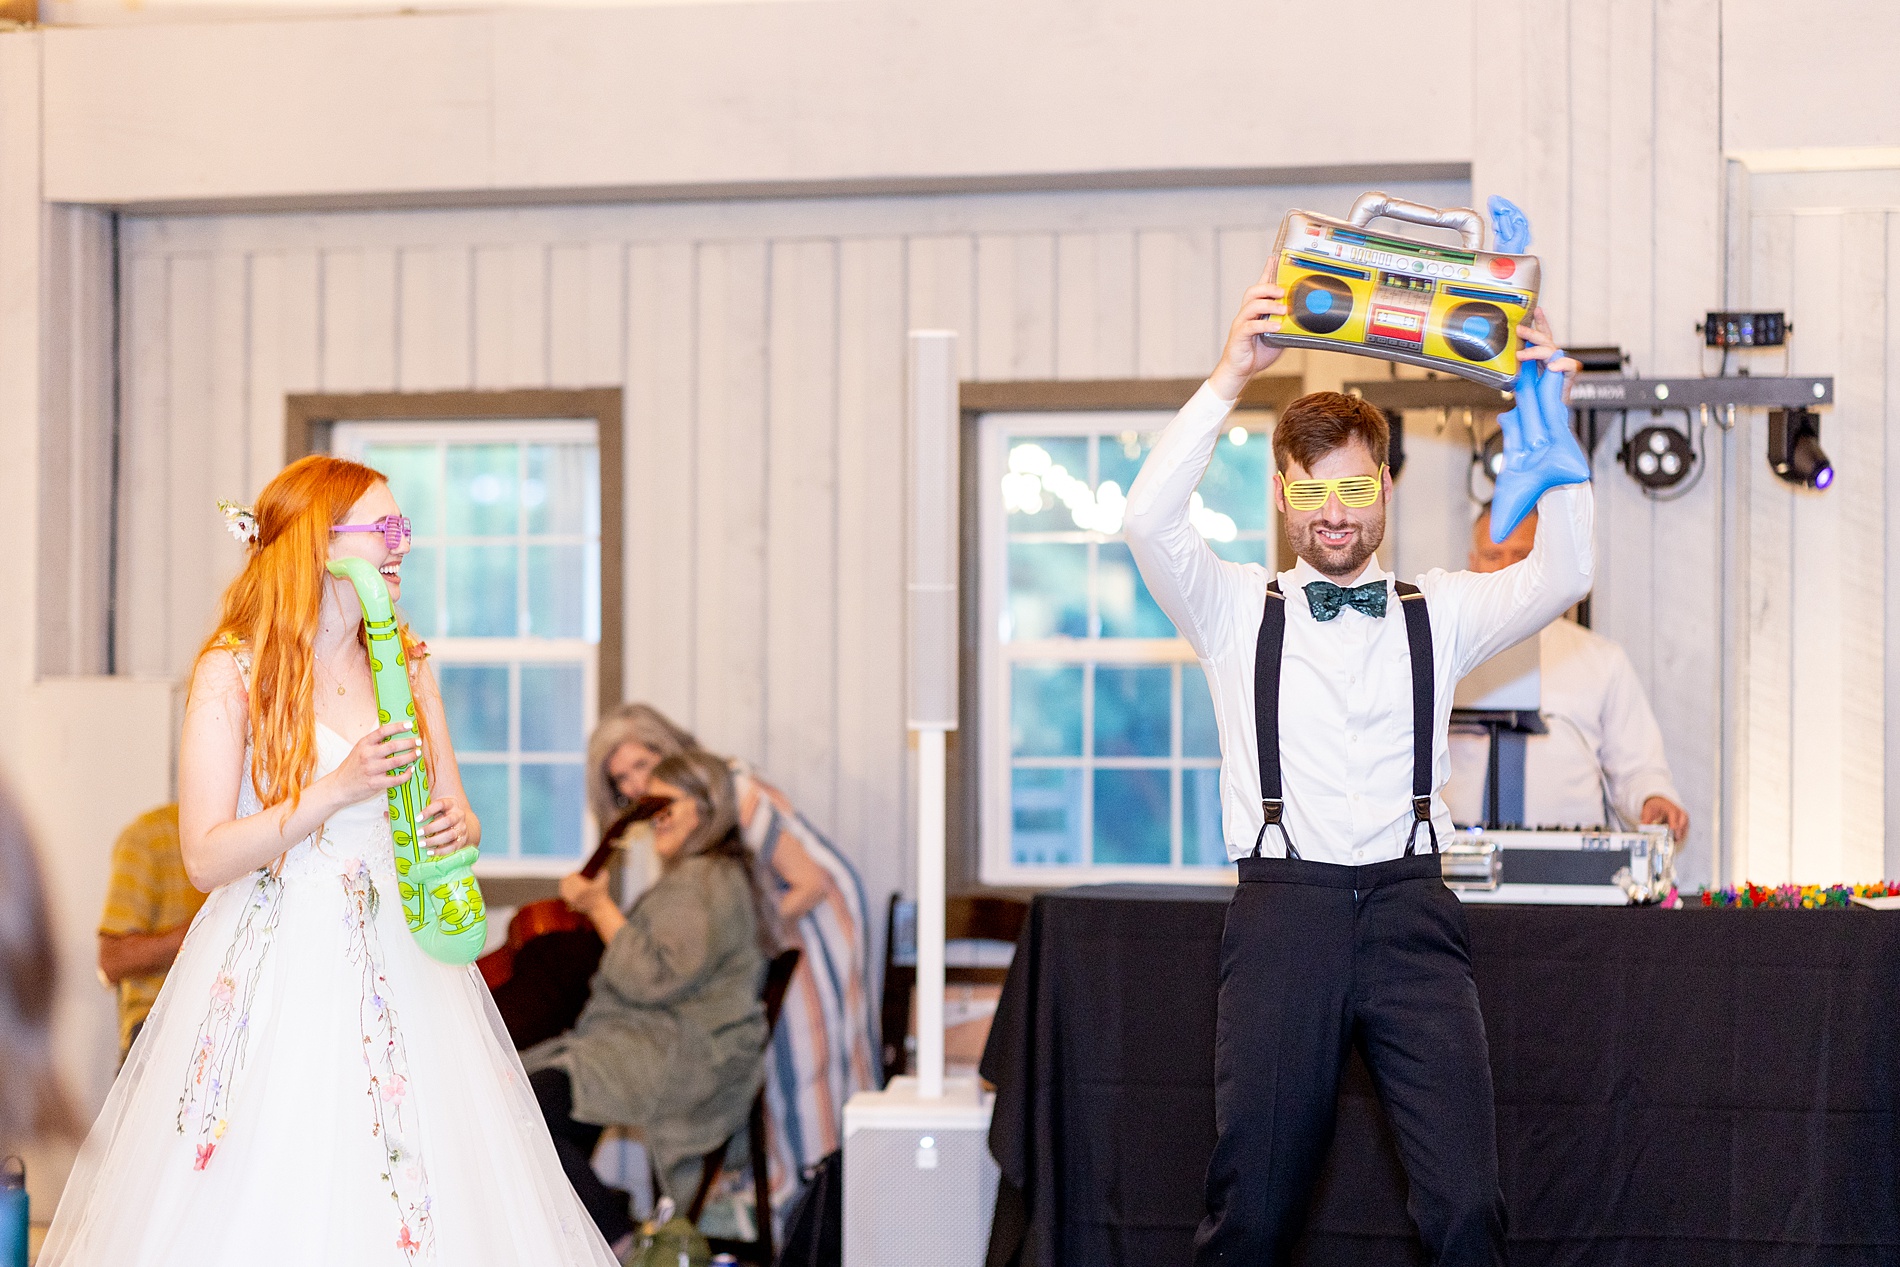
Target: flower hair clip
<point x="239" y="521"/>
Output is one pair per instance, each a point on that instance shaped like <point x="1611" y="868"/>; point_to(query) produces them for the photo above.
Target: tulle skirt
<point x="311" y="1088"/>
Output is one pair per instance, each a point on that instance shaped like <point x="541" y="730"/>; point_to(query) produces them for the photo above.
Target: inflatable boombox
<point x="1442" y="307"/>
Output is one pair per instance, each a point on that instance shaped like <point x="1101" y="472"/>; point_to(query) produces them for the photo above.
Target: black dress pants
<point x="1315" y="957"/>
<point x="574" y="1142"/>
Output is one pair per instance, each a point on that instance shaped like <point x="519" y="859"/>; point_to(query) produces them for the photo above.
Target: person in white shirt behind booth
<point x="1601" y="764"/>
<point x="1332" y="689"/>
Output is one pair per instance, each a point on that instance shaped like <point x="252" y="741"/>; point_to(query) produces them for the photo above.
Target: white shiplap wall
<point x="1818" y="697"/>
<point x="761" y="350"/>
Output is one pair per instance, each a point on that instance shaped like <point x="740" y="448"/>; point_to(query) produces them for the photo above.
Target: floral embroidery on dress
<point x="387" y="1060"/>
<point x="217" y="1056"/>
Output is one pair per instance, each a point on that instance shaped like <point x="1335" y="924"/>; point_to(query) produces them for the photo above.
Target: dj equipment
<point x="1745" y="330"/>
<point x="1442" y="307"/>
<point x="1561" y="868"/>
<point x="919" y="1181"/>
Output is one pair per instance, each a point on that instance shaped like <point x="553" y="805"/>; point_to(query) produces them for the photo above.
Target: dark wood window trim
<point x="308" y="420"/>
<point x="1273" y="392"/>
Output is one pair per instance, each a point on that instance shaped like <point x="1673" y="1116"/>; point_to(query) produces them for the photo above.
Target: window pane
<point x="562" y="491"/>
<point x="1132" y="711"/>
<point x="487" y="788"/>
<point x="1045" y="473"/>
<point x="1201" y="841"/>
<point x="557" y="591"/>
<point x="475" y="697"/>
<point x="1242" y="551"/>
<point x="1045" y="810"/>
<point x="1132" y="817"/>
<point x="1127" y="609"/>
<point x="421" y="602"/>
<point x="481" y="599"/>
<point x="550" y="811"/>
<point x="550" y="708"/>
<point x="1119" y="457"/>
<point x="1199" y="736"/>
<point x="1048" y="591"/>
<point x="590" y="593"/>
<point x="1045" y="710"/>
<point x="414" y="479"/>
<point x="481" y="489"/>
<point x="1236" y="481"/>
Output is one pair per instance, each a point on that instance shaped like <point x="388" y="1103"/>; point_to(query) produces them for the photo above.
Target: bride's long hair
<point x="273" y="607"/>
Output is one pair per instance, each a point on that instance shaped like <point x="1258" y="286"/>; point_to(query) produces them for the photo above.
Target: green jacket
<point x="672" y="1040"/>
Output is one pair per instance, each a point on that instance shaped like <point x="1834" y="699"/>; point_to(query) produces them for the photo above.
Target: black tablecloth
<point x="1674" y="1087"/>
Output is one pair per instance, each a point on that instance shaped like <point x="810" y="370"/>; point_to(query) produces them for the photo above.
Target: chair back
<point x="974" y="918"/>
<point x="778" y="979"/>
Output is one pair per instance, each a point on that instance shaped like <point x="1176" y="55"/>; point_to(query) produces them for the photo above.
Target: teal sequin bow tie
<point x="1325" y="599"/>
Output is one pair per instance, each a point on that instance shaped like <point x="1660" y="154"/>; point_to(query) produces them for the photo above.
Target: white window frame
<point x="347" y="440"/>
<point x="996" y="865"/>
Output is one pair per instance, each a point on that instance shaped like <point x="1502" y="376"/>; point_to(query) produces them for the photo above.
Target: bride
<point x="311" y="1088"/>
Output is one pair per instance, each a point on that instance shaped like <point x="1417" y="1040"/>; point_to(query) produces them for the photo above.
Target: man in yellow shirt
<point x="149" y="905"/>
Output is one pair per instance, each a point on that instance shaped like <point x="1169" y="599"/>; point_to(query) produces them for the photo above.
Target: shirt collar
<point x="1304" y="572"/>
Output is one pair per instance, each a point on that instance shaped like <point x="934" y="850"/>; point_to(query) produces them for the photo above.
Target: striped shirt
<point x="148" y="893"/>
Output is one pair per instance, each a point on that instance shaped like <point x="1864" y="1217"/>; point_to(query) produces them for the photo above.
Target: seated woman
<point x="823" y="1052"/>
<point x="672" y="1039"/>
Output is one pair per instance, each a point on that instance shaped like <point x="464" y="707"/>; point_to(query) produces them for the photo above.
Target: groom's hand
<point x="1246" y="354"/>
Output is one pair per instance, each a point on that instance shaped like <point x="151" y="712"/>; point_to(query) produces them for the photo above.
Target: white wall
<point x="793" y="96"/>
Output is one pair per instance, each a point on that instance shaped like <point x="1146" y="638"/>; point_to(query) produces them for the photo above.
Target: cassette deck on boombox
<point x="1423" y="303"/>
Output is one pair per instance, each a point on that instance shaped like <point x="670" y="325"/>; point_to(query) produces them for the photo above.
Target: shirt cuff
<point x="1208" y="396"/>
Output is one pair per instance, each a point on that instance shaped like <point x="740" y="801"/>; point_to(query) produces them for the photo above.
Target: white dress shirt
<point x="1345" y="686"/>
<point x="1603" y="741"/>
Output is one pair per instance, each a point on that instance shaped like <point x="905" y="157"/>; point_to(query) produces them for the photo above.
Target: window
<point x="1100" y="756"/>
<point x="503" y="580"/>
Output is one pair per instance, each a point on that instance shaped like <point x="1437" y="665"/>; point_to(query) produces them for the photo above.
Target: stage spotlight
<point x="1657" y="457"/>
<point x="1794" y="448"/>
<point x="1491" y="457"/>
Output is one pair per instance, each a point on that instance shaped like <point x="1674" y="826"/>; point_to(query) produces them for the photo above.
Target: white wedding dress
<point x="311" y="1088"/>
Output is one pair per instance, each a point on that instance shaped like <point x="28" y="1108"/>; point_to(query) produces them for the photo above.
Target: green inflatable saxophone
<point x="441" y="898"/>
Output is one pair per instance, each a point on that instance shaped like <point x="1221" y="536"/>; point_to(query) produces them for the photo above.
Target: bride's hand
<point x="368" y="769"/>
<point x="446" y="827"/>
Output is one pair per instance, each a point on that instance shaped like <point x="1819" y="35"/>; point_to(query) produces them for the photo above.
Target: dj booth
<point x="1686" y="1088"/>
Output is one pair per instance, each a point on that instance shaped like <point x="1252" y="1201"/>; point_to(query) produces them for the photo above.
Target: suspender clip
<point x="1271" y="811"/>
<point x="1422" y="808"/>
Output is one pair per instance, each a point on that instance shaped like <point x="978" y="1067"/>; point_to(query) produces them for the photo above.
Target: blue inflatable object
<point x="1540" y="451"/>
<point x="1510" y="227"/>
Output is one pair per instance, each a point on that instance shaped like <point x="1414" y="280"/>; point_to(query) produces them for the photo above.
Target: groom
<point x="1332" y="688"/>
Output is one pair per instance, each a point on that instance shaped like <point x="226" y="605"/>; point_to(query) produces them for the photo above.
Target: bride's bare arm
<point x="217" y="845"/>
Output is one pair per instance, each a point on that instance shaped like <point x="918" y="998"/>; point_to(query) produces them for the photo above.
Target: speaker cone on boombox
<point x="1320" y="304"/>
<point x="1477" y="331"/>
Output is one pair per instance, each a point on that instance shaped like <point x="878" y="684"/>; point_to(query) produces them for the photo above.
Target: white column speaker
<point x="931" y="619"/>
<point x="931" y="614"/>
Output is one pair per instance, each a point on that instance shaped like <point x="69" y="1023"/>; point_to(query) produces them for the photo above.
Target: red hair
<point x="273" y="608"/>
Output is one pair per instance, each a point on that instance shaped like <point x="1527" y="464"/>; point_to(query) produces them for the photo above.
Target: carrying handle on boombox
<point x="1369" y="207"/>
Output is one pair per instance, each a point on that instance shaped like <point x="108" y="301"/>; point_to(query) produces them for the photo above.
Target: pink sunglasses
<point x="395" y="529"/>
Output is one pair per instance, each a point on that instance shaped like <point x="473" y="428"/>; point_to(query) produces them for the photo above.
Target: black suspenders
<point x="1266" y="711"/>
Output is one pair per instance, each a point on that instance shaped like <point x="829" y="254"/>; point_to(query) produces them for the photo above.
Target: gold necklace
<point x="326" y="669"/>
